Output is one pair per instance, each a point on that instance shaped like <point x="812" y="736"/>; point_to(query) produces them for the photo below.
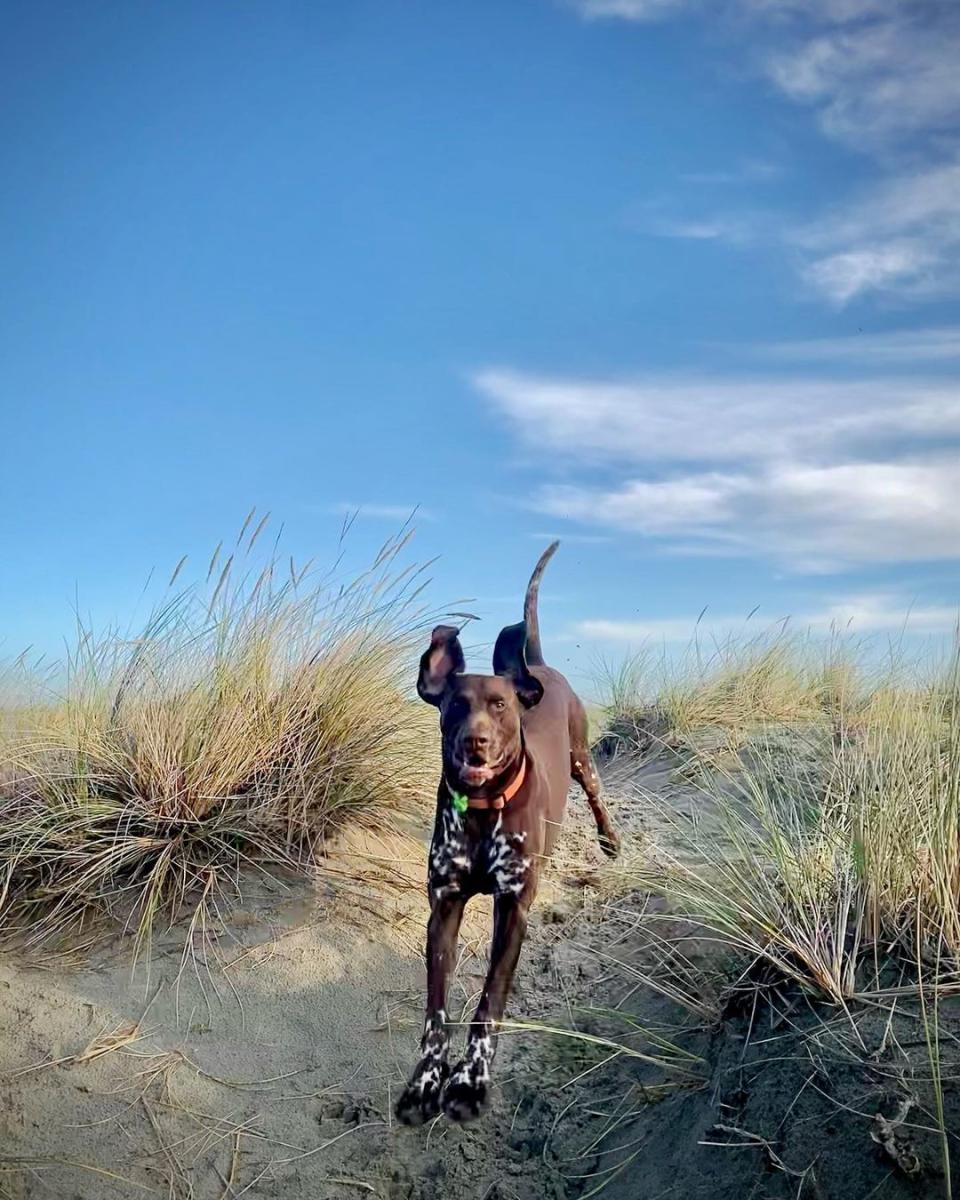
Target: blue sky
<point x="675" y="281"/>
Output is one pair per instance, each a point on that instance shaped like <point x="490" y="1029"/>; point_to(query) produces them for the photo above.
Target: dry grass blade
<point x="104" y="1043"/>
<point x="34" y="1162"/>
<point x="672" y="1059"/>
<point x="107" y="1043"/>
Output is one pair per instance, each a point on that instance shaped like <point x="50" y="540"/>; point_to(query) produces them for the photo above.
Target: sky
<point x="673" y="280"/>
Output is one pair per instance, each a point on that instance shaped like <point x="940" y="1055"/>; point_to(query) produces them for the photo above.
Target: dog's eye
<point x="499" y="705"/>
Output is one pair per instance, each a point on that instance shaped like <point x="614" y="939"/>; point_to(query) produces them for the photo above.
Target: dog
<point x="511" y="743"/>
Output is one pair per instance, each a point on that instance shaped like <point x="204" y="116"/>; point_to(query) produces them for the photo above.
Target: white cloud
<point x="817" y="474"/>
<point x="814" y="518"/>
<point x="873" y="70"/>
<point x="881" y="76"/>
<point x="876" y="612"/>
<point x="907" y="203"/>
<point x="901" y="236"/>
<point x="904" y="236"/>
<point x="676" y="418"/>
<point x="841" y="277"/>
<point x="861" y="613"/>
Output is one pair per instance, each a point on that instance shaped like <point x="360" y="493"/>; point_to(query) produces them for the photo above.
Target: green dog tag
<point x="459" y="802"/>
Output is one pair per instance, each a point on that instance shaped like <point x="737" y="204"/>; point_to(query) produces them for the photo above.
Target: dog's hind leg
<point x="584" y="771"/>
<point x="467" y="1091"/>
<point x="420" y="1100"/>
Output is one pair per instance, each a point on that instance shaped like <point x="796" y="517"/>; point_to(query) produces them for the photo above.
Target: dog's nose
<point x="476" y="743"/>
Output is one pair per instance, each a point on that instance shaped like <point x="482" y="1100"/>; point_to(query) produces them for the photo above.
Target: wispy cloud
<point x="873" y="71"/>
<point x="904" y="236"/>
<point x="382" y="512"/>
<point x="587" y="539"/>
<point x="827" y="11"/>
<point x="811" y="518"/>
<point x="880" y="76"/>
<point x="877" y="72"/>
<point x="858" y="614"/>
<point x="627" y="10"/>
<point x="900" y="237"/>
<point x="817" y="474"/>
<point x="899" y="265"/>
<point x="677" y="217"/>
<point x="750" y="172"/>
<point x="893" y="346"/>
<point x="655" y="629"/>
<point x="878" y="612"/>
<point x="681" y="418"/>
<point x="736" y="229"/>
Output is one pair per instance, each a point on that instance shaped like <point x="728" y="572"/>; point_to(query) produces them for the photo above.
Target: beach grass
<point x="823" y="855"/>
<point x="254" y="712"/>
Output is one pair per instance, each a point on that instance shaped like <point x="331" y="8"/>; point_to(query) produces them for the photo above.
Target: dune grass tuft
<point x="252" y="714"/>
<point x="832" y="839"/>
<point x="821" y="856"/>
<point x="736" y="685"/>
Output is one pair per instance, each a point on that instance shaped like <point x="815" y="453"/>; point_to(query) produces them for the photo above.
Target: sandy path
<point x="266" y="1063"/>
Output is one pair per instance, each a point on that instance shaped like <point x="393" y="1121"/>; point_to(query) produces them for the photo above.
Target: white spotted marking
<point x="499" y="856"/>
<point x="433" y="1051"/>
<point x="505" y="864"/>
<point x="474" y="1071"/>
<point x="449" y="859"/>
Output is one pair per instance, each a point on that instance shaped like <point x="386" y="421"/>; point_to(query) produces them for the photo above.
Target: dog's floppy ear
<point x="443" y="659"/>
<point x="510" y="660"/>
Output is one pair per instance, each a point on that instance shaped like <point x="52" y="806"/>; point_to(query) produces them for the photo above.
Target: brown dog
<point x="511" y="743"/>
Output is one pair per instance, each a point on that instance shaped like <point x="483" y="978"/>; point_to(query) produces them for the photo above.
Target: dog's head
<point x="479" y="714"/>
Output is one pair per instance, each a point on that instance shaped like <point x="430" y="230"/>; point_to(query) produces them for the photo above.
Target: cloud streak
<point x="903" y="236"/>
<point x="381" y="512"/>
<point x="858" y="614"/>
<point x="810" y="518"/>
<point x="874" y="72"/>
<point x="894" y="346"/>
<point x="816" y="474"/>
<point x="677" y="418"/>
<point x="627" y="10"/>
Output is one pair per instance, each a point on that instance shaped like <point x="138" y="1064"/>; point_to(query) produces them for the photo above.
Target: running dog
<point x="511" y="743"/>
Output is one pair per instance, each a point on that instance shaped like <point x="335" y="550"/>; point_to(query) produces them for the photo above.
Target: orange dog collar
<point x="461" y="803"/>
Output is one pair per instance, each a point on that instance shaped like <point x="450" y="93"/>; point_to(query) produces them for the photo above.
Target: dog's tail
<point x="530" y="618"/>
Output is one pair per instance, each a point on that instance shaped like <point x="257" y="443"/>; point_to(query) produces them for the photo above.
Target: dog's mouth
<point x="476" y="776"/>
<point x="473" y="772"/>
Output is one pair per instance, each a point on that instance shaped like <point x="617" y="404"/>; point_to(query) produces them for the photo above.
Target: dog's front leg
<point x="420" y="1100"/>
<point x="467" y="1089"/>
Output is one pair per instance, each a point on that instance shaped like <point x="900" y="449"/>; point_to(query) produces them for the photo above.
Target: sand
<point x="264" y="1060"/>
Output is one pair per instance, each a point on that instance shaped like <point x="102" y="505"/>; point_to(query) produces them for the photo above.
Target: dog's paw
<point x="420" y="1099"/>
<point x="609" y="841"/>
<point x="465" y="1096"/>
